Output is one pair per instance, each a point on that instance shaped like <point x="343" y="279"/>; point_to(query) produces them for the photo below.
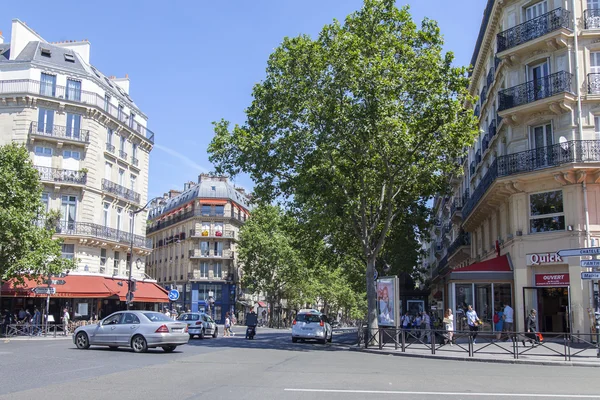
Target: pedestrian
<point x="417" y="325"/>
<point x="27" y="322"/>
<point x="66" y="318"/>
<point x="167" y="313"/>
<point x="498" y="322"/>
<point x="473" y="322"/>
<point x="449" y="325"/>
<point x="226" y="333"/>
<point x="531" y="328"/>
<point x="508" y="317"/>
<point x="36" y="321"/>
<point x="406" y="321"/>
<point x="426" y="326"/>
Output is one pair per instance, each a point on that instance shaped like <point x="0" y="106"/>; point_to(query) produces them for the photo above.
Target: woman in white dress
<point x="449" y="325"/>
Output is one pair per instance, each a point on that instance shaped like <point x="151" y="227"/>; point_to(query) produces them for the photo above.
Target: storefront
<point x="215" y="298"/>
<point x="485" y="286"/>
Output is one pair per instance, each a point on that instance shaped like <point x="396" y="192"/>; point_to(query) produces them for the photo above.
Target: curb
<point x="481" y="360"/>
<point x="34" y="339"/>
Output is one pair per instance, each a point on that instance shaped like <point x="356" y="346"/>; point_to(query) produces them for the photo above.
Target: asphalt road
<point x="270" y="367"/>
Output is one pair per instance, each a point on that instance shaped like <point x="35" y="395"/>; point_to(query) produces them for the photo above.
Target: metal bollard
<point x="395" y="339"/>
<point x="470" y="345"/>
<point x="432" y="338"/>
<point x="403" y="334"/>
<point x="380" y="338"/>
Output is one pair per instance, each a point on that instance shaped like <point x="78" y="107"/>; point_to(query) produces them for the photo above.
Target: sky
<point x="194" y="62"/>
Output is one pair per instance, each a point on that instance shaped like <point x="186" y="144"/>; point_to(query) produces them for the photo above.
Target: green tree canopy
<point x="355" y="127"/>
<point x="26" y="247"/>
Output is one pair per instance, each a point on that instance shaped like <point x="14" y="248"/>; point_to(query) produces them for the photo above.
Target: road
<point x="270" y="367"/>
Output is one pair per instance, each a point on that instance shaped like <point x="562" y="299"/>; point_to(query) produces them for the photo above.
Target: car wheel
<point x="330" y="338"/>
<point x="169" y="349"/>
<point x="201" y="335"/>
<point x="113" y="347"/>
<point x="191" y="337"/>
<point x="82" y="341"/>
<point x="139" y="344"/>
<point x="322" y="341"/>
<point x="215" y="333"/>
<point x="294" y="340"/>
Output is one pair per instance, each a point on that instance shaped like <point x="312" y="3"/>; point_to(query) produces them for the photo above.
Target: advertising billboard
<point x="387" y="312"/>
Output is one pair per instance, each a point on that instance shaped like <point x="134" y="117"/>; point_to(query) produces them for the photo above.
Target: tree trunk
<point x="371" y="297"/>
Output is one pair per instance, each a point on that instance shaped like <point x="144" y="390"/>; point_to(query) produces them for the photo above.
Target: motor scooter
<point x="250" y="332"/>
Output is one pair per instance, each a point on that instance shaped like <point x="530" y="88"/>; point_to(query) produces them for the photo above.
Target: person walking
<point x="426" y="324"/>
<point x="449" y="325"/>
<point x="473" y="322"/>
<point x="532" y="328"/>
<point x="36" y="321"/>
<point x="66" y="318"/>
<point x="227" y="331"/>
<point x="508" y="318"/>
<point x="498" y="322"/>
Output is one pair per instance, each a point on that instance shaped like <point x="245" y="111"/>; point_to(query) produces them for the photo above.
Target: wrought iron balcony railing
<point x="591" y="18"/>
<point x="574" y="151"/>
<point x="120" y="191"/>
<point x="533" y="29"/>
<point x="48" y="174"/>
<point x="184" y="216"/>
<point x="211" y="233"/>
<point x="528" y="92"/>
<point x="485" y="142"/>
<point x="464" y="239"/>
<point x="110" y="148"/>
<point x="60" y="132"/>
<point x="199" y="253"/>
<point x="456" y="206"/>
<point x="472" y="168"/>
<point x="482" y="95"/>
<point x="33" y="87"/>
<point x="492" y="129"/>
<point x="122" y="154"/>
<point x="490" y="77"/>
<point x="101" y="232"/>
<point x="593" y="83"/>
<point x="478" y="157"/>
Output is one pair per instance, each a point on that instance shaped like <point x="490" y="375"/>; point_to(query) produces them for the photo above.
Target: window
<point x="102" y="257"/>
<point x="106" y="102"/>
<point x="206" y="209"/>
<point x="218" y="249"/>
<point x="134" y="150"/>
<point x="220" y="210"/>
<point x="204" y="269"/>
<point x="73" y="90"/>
<point x="45" y="201"/>
<point x="130" y="222"/>
<point x="108" y="82"/>
<point x="45" y="120"/>
<point x="204" y="248"/>
<point x="536" y="10"/>
<point x="69" y="57"/>
<point x="546" y="212"/>
<point x="43" y="151"/>
<point x="109" y="136"/>
<point x="594" y="75"/>
<point x="116" y="262"/>
<point x="68" y="210"/>
<point x="218" y="270"/>
<point x="121" y="113"/>
<point x="48" y="85"/>
<point x="107" y="170"/>
<point x="68" y="251"/>
<point x="71" y="154"/>
<point x="131" y="120"/>
<point x="122" y="144"/>
<point x="46" y="52"/>
<point x="132" y="179"/>
<point x="121" y="176"/>
<point x="73" y="125"/>
<point x="106" y="214"/>
<point x="119" y="217"/>
<point x="597" y="127"/>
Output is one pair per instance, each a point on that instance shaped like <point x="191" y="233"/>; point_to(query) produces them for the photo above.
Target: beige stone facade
<point x="527" y="177"/>
<point x="89" y="141"/>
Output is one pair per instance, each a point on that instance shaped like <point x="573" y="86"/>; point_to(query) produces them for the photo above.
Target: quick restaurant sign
<point x="544" y="258"/>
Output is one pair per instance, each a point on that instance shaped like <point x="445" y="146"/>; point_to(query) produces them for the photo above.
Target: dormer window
<point x="69" y="57"/>
<point x="45" y="52"/>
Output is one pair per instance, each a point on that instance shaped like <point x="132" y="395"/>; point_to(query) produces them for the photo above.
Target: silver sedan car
<point x="139" y="330"/>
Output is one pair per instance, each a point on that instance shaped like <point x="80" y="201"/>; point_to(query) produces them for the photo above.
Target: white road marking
<point x="536" y="395"/>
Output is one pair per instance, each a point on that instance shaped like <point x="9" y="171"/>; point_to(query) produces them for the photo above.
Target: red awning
<point x="498" y="264"/>
<point x="89" y="286"/>
<point x="75" y="286"/>
<point x="213" y="202"/>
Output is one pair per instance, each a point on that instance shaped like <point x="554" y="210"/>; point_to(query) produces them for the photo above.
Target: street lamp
<point x="129" y="297"/>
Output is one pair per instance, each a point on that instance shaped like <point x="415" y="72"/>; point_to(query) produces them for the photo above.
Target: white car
<point x="311" y="325"/>
<point x="199" y="324"/>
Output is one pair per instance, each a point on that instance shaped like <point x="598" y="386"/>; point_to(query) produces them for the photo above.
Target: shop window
<point x="546" y="212"/>
<point x="68" y="251"/>
<point x="102" y="257"/>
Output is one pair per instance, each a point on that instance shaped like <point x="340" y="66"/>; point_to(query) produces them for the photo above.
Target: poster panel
<point x="386" y="301"/>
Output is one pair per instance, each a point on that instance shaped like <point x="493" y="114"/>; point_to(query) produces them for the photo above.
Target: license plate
<point x="177" y="330"/>
<point x="307" y="329"/>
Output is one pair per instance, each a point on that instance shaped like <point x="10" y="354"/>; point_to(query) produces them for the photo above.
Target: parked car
<point x="199" y="324"/>
<point x="139" y="330"/>
<point x="311" y="324"/>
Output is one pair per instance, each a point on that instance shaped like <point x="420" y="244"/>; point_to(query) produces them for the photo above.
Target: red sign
<point x="552" y="279"/>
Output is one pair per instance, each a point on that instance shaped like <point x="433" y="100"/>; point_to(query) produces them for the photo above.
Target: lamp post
<point x="129" y="297"/>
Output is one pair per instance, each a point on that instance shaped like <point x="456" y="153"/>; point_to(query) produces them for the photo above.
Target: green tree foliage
<point x="354" y="128"/>
<point x="26" y="247"/>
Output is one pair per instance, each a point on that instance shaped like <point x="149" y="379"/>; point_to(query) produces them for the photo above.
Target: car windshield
<point x="308" y="318"/>
<point x="188" y="317"/>
<point x="155" y="317"/>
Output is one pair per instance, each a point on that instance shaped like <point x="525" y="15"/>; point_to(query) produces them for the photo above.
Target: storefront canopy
<point x="494" y="268"/>
<point x="89" y="286"/>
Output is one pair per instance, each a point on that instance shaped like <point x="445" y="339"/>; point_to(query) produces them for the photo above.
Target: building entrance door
<point x="553" y="307"/>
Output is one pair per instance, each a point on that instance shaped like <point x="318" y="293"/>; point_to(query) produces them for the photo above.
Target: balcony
<point x="210" y="234"/>
<point x="101" y="232"/>
<point x="135" y="161"/>
<point x="456" y="210"/>
<point x="190" y="214"/>
<point x="110" y="148"/>
<point x="120" y="191"/>
<point x="485" y="143"/>
<point x="48" y="174"/>
<point x="472" y="168"/>
<point x="60" y="133"/>
<point x="198" y="253"/>
<point x="22" y="87"/>
<point x="459" y="250"/>
<point x="490" y="77"/>
<point x="574" y="151"/>
<point x="591" y="18"/>
<point x="532" y="91"/>
<point x="557" y="21"/>
<point x="122" y="154"/>
<point x="478" y="157"/>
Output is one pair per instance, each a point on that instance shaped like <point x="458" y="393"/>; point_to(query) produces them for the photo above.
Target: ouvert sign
<point x="544" y="258"/>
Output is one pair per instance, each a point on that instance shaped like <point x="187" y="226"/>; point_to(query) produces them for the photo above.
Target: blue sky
<point x="194" y="62"/>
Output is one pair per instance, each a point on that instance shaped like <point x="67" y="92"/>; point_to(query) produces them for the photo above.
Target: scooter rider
<point x="251" y="322"/>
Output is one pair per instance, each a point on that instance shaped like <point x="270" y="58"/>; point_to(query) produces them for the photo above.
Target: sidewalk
<point x="547" y="353"/>
<point x="34" y="338"/>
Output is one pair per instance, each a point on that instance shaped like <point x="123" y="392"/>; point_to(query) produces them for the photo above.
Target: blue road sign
<point x="174" y="295"/>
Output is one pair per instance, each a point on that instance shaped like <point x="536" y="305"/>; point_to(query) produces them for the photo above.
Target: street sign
<point x="44" y="290"/>
<point x="174" y="295"/>
<point x="590" y="263"/>
<point x="55" y="282"/>
<point x="589" y="251"/>
<point x="590" y="275"/>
